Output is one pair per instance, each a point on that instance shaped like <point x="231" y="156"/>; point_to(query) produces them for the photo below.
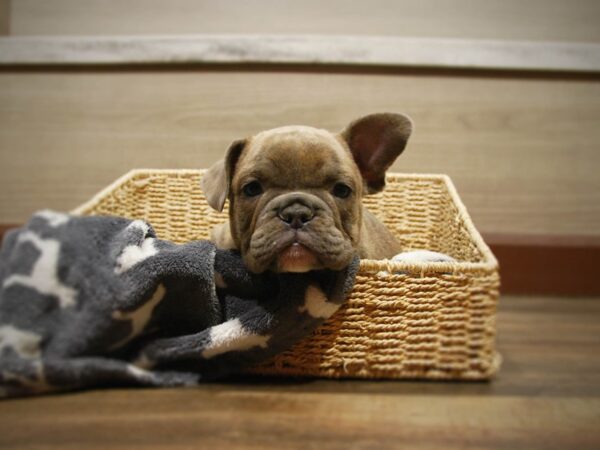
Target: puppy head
<point x="295" y="192"/>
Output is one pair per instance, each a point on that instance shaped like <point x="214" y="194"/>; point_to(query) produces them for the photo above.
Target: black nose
<point x="296" y="215"/>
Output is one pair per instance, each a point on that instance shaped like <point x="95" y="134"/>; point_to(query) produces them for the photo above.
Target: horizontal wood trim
<point x="542" y="240"/>
<point x="537" y="265"/>
<point x="303" y="49"/>
<point x="547" y="265"/>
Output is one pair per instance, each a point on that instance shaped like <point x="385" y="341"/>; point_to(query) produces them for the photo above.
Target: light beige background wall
<point x="524" y="153"/>
<point x="522" y="149"/>
<point x="560" y="20"/>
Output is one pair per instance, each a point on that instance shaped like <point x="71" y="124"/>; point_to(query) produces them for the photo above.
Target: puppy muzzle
<point x="297" y="232"/>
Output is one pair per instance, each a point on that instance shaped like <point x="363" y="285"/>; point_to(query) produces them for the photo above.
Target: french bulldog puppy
<point x="295" y="194"/>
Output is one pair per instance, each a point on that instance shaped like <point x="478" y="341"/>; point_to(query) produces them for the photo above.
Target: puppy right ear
<point x="375" y="142"/>
<point x="216" y="182"/>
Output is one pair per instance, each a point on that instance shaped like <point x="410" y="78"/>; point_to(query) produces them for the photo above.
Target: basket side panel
<point x="171" y="201"/>
<point x="451" y="234"/>
<point x="420" y="212"/>
<point x="406" y="210"/>
<point x="403" y="326"/>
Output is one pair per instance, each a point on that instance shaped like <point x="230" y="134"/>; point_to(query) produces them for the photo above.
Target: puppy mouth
<point x="282" y="249"/>
<point x="296" y="257"/>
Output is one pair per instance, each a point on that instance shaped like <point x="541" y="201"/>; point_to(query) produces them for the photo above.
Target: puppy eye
<point x="252" y="189"/>
<point x="341" y="190"/>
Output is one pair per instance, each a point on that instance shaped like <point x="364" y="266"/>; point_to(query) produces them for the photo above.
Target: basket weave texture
<point x="418" y="320"/>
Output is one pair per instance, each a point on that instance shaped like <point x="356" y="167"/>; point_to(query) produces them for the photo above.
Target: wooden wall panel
<point x="549" y="20"/>
<point x="522" y="151"/>
<point x="4" y="17"/>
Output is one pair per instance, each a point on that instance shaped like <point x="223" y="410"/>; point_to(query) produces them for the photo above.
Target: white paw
<point x="417" y="256"/>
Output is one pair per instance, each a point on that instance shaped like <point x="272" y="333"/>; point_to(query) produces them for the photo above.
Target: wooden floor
<point x="547" y="395"/>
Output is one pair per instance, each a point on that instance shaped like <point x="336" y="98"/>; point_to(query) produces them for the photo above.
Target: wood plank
<point x="545" y="397"/>
<point x="266" y="420"/>
<point x="539" y="20"/>
<point x="522" y="151"/>
<point x="303" y="49"/>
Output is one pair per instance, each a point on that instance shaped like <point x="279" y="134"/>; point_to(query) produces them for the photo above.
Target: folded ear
<point x="376" y="141"/>
<point x="217" y="180"/>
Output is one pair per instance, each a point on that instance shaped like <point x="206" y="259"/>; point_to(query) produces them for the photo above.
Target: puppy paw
<point x="418" y="256"/>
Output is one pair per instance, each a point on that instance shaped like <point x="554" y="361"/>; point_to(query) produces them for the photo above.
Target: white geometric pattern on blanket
<point x="316" y="304"/>
<point x="44" y="275"/>
<point x="232" y="336"/>
<point x="53" y="218"/>
<point x="24" y="343"/>
<point x="139" y="373"/>
<point x="134" y="254"/>
<point x="139" y="317"/>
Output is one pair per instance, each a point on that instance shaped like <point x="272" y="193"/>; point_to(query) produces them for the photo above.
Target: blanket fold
<point x="93" y="301"/>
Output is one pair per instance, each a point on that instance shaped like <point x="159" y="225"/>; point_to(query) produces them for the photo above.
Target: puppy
<point x="295" y="194"/>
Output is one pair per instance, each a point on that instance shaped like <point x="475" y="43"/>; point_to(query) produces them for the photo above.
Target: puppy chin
<point x="297" y="258"/>
<point x="295" y="251"/>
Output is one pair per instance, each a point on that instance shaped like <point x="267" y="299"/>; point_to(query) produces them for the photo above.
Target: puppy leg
<point x="221" y="237"/>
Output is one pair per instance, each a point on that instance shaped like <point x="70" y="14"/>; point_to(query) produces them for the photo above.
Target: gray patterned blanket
<point x="100" y="301"/>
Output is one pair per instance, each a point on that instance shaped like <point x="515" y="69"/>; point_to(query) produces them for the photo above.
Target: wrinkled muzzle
<point x="298" y="232"/>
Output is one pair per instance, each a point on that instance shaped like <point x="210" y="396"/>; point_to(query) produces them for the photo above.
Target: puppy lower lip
<point x="296" y="249"/>
<point x="296" y="258"/>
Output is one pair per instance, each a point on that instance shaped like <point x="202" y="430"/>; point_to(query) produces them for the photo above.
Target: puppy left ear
<point x="216" y="182"/>
<point x="376" y="141"/>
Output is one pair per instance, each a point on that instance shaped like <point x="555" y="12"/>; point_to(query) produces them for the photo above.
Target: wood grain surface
<point x="364" y="51"/>
<point x="546" y="396"/>
<point x="523" y="151"/>
<point x="545" y="20"/>
<point x="4" y="17"/>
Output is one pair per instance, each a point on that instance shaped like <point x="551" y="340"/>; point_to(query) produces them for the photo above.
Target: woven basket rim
<point x="488" y="264"/>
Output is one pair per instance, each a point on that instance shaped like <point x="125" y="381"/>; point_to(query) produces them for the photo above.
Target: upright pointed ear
<point x="217" y="180"/>
<point x="376" y="141"/>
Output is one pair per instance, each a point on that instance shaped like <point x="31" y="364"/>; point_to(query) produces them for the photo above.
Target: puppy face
<point x="295" y="201"/>
<point x="295" y="192"/>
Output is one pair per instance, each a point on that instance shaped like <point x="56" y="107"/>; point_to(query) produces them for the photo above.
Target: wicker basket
<point x="427" y="320"/>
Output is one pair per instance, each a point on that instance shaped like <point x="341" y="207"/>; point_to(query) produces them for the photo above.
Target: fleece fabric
<point x="101" y="301"/>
